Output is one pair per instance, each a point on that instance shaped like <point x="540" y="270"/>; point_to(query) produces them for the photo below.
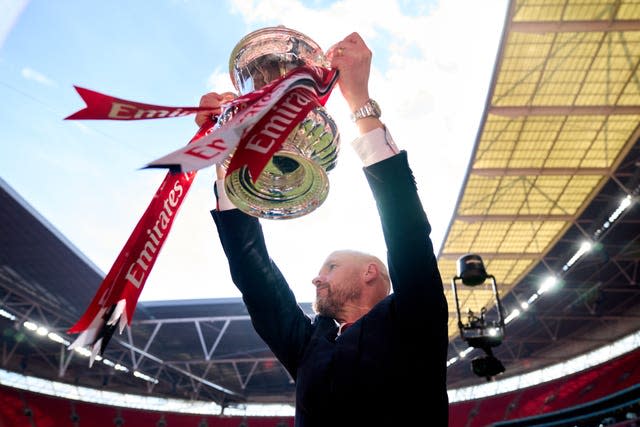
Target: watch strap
<point x="369" y="109"/>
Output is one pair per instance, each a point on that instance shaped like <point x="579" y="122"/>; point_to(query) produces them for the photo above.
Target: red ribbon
<point x="127" y="276"/>
<point x="259" y="143"/>
<point x="267" y="136"/>
<point x="105" y="107"/>
<point x="258" y="124"/>
<point x="130" y="270"/>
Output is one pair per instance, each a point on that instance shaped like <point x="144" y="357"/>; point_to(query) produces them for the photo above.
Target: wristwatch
<point x="369" y="109"/>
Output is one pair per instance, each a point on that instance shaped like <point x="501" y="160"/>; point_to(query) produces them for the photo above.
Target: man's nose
<point x="317" y="281"/>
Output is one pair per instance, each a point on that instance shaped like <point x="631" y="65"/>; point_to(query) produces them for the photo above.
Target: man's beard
<point x="326" y="306"/>
<point x="332" y="303"/>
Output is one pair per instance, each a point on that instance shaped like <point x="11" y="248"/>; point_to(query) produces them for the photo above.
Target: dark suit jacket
<point x="389" y="368"/>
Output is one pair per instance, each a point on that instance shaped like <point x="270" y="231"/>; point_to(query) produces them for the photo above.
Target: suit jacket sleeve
<point x="275" y="314"/>
<point x="417" y="284"/>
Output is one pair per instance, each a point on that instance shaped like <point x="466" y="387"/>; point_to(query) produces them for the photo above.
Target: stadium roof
<point x="562" y="114"/>
<point x="560" y="128"/>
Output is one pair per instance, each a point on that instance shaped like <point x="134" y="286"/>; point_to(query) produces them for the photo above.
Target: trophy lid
<point x="268" y="53"/>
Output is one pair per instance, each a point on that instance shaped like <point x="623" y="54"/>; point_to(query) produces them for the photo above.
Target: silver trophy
<point x="294" y="182"/>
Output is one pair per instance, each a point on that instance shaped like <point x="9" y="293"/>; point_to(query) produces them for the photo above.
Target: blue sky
<point x="432" y="66"/>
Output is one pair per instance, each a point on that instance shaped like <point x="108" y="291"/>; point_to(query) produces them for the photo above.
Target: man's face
<point x="338" y="282"/>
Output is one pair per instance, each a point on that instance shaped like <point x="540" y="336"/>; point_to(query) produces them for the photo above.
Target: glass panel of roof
<point x="567" y="98"/>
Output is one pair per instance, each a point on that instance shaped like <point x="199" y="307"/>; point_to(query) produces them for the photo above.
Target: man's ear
<point x="371" y="272"/>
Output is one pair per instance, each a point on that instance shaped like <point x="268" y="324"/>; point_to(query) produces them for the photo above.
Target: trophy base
<point x="294" y="182"/>
<point x="290" y="186"/>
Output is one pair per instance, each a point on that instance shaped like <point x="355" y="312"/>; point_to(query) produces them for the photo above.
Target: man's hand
<point x="353" y="58"/>
<point x="212" y="100"/>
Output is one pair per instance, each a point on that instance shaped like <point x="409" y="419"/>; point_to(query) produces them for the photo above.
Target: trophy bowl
<point x="294" y="182"/>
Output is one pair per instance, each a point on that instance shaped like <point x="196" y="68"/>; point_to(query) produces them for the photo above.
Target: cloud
<point x="11" y="11"/>
<point x="36" y="76"/>
<point x="83" y="128"/>
<point x="219" y="81"/>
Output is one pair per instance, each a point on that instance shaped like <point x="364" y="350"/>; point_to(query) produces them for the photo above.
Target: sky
<point x="432" y="66"/>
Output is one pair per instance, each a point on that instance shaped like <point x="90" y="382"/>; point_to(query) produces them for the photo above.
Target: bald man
<point x="360" y="361"/>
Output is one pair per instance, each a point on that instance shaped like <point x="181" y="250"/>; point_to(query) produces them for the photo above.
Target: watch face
<point x="376" y="107"/>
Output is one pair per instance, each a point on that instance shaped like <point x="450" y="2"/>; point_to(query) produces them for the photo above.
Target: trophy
<point x="294" y="181"/>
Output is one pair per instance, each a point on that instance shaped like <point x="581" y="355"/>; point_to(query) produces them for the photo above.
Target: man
<point x="360" y="361"/>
